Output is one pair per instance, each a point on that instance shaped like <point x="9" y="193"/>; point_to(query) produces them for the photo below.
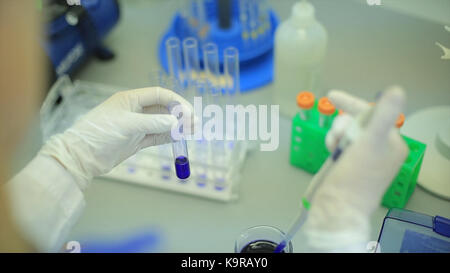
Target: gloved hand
<point x="113" y="131"/>
<point x="341" y="208"/>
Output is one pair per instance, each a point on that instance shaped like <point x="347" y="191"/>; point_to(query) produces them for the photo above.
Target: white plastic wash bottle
<point x="300" y="46"/>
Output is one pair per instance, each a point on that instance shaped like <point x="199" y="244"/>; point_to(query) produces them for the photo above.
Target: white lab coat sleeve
<point x="46" y="202"/>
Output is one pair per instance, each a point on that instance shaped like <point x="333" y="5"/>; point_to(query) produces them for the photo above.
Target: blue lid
<point x="441" y="225"/>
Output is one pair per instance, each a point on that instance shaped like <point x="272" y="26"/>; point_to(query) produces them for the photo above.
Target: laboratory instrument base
<point x="405" y="231"/>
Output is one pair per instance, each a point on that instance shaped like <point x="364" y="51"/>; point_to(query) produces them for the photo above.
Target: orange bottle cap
<point x="400" y="121"/>
<point x="305" y="100"/>
<point x="326" y="107"/>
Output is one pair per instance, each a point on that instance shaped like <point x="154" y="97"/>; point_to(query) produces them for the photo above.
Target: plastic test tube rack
<point x="251" y="31"/>
<point x="309" y="152"/>
<point x="154" y="166"/>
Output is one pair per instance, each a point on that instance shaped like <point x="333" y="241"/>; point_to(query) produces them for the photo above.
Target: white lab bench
<point x="369" y="48"/>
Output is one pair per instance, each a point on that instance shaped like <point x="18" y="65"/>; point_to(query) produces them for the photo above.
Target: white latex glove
<point x="113" y="131"/>
<point x="340" y="211"/>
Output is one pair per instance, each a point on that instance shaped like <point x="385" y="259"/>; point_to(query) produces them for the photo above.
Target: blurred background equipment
<point x="432" y="126"/>
<point x="246" y="25"/>
<point x="145" y="239"/>
<point x="300" y="47"/>
<point x="74" y="32"/>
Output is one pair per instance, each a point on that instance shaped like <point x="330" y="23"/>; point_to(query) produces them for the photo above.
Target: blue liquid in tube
<point x="182" y="167"/>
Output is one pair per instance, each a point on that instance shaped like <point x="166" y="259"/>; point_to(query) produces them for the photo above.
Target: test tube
<point x="264" y="17"/>
<point x="173" y="51"/>
<point x="216" y="148"/>
<point x="191" y="60"/>
<point x="326" y="110"/>
<point x="191" y="10"/>
<point x="211" y="63"/>
<point x="179" y="149"/>
<point x="231" y="70"/>
<point x="305" y="100"/>
<point x="243" y="18"/>
<point x="198" y="18"/>
<point x="253" y="18"/>
<point x="201" y="87"/>
<point x="220" y="183"/>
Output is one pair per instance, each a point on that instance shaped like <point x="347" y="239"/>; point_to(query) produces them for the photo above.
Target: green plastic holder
<point x="309" y="152"/>
<point x="398" y="194"/>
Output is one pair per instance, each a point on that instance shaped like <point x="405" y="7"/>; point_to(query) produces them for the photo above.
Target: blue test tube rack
<point x="255" y="47"/>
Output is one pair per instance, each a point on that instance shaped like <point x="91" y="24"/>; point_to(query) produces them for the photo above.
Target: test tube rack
<point x="398" y="194"/>
<point x="309" y="152"/>
<point x="154" y="166"/>
<point x="254" y="43"/>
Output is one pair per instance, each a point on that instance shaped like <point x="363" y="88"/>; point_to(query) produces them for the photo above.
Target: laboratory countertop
<point x="368" y="50"/>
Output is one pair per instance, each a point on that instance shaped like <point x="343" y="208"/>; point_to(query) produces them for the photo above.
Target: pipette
<point x="350" y="135"/>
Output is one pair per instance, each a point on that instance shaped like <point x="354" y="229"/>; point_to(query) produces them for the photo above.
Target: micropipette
<point x="350" y="135"/>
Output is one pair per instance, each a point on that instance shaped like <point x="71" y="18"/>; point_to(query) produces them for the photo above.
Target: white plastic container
<point x="300" y="47"/>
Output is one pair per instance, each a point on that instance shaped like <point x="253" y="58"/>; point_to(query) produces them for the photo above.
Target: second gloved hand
<point x="113" y="131"/>
<point x="339" y="218"/>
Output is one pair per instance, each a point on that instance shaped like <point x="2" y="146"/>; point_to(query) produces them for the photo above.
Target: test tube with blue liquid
<point x="179" y="149"/>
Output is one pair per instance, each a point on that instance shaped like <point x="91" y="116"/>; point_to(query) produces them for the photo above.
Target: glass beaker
<point x="260" y="239"/>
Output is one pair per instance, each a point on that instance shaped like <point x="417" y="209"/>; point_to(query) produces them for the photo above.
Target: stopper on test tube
<point x="326" y="107"/>
<point x="305" y="100"/>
